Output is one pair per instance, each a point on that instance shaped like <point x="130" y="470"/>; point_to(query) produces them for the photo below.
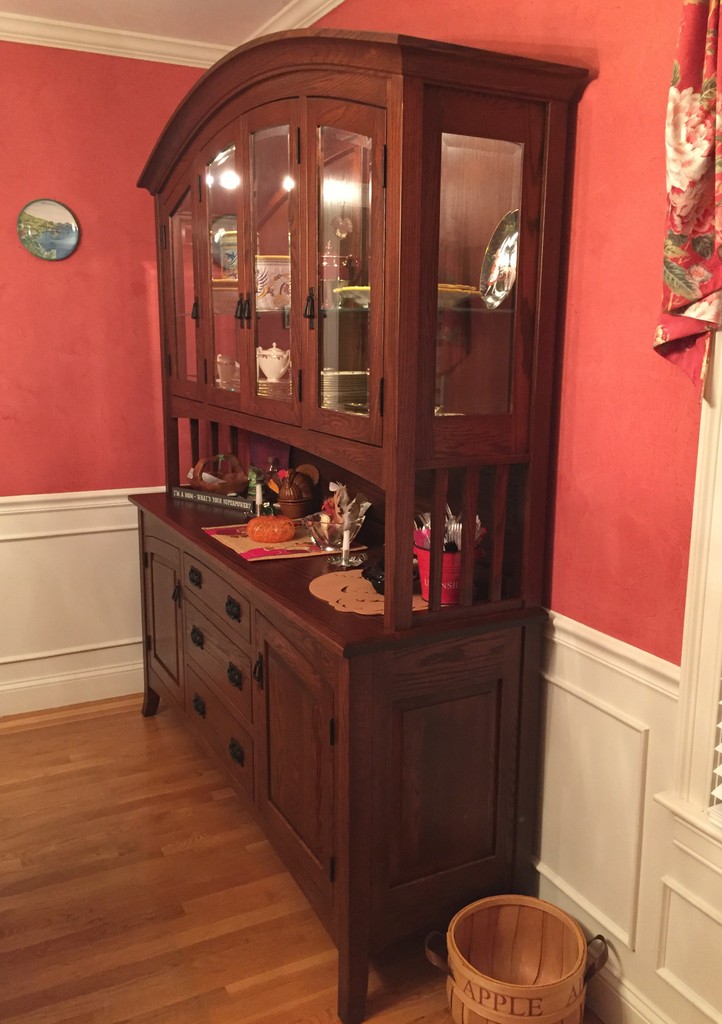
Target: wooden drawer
<point x="224" y="733"/>
<point x="207" y="586"/>
<point x="218" y="659"/>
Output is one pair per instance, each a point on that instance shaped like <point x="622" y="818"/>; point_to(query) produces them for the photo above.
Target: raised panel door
<point x="162" y="607"/>
<point x="447" y="734"/>
<point x="295" y="755"/>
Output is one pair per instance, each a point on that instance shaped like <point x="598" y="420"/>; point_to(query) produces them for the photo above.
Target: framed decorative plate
<point x="498" y="269"/>
<point x="48" y="229"/>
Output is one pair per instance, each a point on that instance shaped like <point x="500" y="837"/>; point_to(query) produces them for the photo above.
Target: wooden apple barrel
<point x="515" y="958"/>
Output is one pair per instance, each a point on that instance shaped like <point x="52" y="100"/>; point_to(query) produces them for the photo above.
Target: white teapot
<point x="274" y="361"/>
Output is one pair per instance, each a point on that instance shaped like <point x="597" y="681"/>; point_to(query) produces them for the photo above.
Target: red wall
<point x="629" y="421"/>
<point x="80" y="376"/>
<point x="79" y="388"/>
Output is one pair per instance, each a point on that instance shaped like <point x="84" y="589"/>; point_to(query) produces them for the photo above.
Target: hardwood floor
<point x="136" y="889"/>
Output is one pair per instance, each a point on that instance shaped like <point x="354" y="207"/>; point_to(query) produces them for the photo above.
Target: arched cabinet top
<point x="379" y="54"/>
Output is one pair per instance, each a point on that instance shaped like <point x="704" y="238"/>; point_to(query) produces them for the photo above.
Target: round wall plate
<point x="48" y="229"/>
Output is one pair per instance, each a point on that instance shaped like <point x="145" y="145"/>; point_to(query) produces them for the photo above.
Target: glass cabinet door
<point x="344" y="301"/>
<point x="478" y="250"/>
<point x="222" y="182"/>
<point x="485" y="262"/>
<point x="272" y="198"/>
<point x="183" y="355"/>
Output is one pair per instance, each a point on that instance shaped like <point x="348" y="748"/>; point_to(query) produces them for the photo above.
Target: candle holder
<point x="336" y="538"/>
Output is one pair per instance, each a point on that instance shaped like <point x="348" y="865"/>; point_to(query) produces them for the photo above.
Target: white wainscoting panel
<point x="595" y="762"/>
<point x="70" y="601"/>
<point x="691" y="947"/>
<point x="612" y="852"/>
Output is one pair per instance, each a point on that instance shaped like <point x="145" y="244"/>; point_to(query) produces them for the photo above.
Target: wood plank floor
<point x="136" y="889"/>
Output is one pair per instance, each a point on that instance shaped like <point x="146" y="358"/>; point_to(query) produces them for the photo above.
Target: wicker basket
<point x="232" y="478"/>
<point x="512" y="958"/>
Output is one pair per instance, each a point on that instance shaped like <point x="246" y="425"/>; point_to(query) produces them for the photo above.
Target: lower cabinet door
<point x="446" y="728"/>
<point x="162" y="566"/>
<point x="295" y="740"/>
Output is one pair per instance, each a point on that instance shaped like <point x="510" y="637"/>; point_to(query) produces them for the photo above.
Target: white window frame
<point x="701" y="666"/>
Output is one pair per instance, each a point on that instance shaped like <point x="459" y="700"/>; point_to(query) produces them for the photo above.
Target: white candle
<point x="346" y="544"/>
<point x="259" y="498"/>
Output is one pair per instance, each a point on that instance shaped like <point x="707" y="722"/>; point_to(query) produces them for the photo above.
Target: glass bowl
<point x="329" y="536"/>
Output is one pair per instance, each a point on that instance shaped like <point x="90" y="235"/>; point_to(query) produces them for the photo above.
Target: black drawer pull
<point x="236" y="751"/>
<point x="235" y="676"/>
<point x="196" y="637"/>
<point x="233" y="609"/>
<point x="194" y="576"/>
<point x="258" y="671"/>
<point x="199" y="705"/>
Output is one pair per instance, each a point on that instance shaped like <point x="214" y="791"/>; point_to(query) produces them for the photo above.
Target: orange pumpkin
<point x="271" y="529"/>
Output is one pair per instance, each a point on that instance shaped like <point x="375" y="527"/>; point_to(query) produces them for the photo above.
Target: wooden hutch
<point x="389" y="213"/>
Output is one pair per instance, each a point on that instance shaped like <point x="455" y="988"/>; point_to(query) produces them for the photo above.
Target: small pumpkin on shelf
<point x="271" y="529"/>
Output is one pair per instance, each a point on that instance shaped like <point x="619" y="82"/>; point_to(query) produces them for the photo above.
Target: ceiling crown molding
<point x="19" y="28"/>
<point x="65" y="35"/>
<point x="297" y="14"/>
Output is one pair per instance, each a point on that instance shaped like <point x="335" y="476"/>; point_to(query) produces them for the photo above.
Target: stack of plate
<point x="345" y="389"/>
<point x="280" y="389"/>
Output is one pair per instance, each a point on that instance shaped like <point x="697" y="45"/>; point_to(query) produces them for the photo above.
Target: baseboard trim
<point x="62" y="690"/>
<point x="617" y="1002"/>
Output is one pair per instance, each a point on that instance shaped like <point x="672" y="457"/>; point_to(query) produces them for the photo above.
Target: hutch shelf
<point x="360" y="240"/>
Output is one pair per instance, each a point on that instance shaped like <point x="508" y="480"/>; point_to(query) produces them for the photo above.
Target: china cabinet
<point x="360" y="245"/>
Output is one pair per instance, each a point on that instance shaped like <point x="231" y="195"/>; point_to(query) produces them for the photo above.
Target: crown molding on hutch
<point x="19" y="28"/>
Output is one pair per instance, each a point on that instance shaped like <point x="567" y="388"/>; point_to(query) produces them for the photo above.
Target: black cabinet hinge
<point x="381" y="396"/>
<point x="200" y="190"/>
<point x="384" y="166"/>
<point x="163" y="237"/>
<point x="146" y="560"/>
<point x="300" y="385"/>
<point x="332" y="731"/>
<point x="298" y="145"/>
<point x="258" y="671"/>
<point x="332" y="870"/>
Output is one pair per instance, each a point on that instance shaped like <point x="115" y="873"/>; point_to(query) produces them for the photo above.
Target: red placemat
<point x="236" y="537"/>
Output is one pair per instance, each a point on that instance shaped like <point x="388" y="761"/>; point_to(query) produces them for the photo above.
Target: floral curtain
<point x="692" y="290"/>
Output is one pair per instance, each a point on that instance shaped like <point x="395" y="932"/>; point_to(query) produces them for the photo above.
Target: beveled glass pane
<point x="222" y="184"/>
<point x="272" y="186"/>
<point x="478" y="254"/>
<point x="344" y="234"/>
<point x="184" y="296"/>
